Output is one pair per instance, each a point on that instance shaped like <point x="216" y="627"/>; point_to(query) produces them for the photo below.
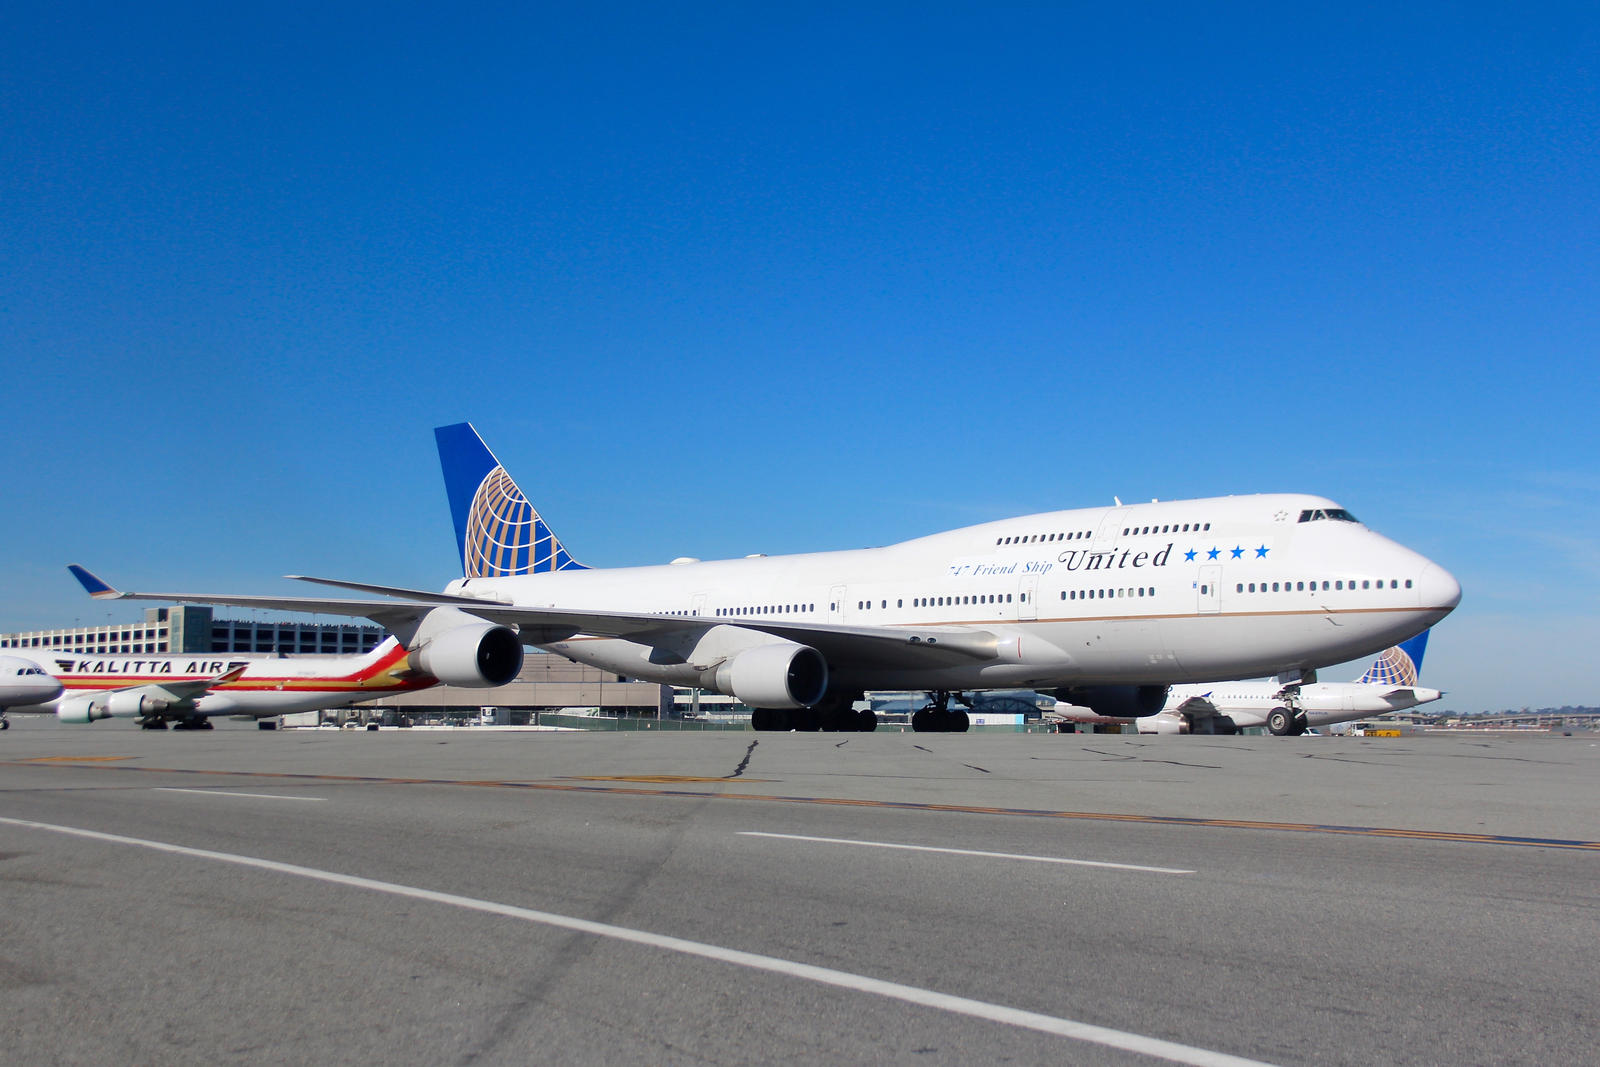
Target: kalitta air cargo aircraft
<point x="1106" y="606"/>
<point x="186" y="689"/>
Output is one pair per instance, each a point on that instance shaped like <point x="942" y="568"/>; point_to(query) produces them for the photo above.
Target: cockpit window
<point x="1318" y="514"/>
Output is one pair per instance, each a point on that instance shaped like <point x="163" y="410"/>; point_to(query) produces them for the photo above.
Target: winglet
<point x="92" y="585"/>
<point x="231" y="676"/>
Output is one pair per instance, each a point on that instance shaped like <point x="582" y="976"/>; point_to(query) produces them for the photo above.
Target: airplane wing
<point x="1198" y="705"/>
<point x="151" y="700"/>
<point x="901" y="647"/>
<point x="189" y="690"/>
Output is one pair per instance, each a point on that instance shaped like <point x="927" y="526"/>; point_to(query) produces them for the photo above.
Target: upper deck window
<point x="1318" y="514"/>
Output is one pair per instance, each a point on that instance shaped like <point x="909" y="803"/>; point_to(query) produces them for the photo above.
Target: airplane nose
<point x="1438" y="588"/>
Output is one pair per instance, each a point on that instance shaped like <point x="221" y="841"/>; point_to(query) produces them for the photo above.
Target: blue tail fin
<point x="1400" y="665"/>
<point x="497" y="531"/>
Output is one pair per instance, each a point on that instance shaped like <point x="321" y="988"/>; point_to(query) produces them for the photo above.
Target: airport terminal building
<point x="192" y="628"/>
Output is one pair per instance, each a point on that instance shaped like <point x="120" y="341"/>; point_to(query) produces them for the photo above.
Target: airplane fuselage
<point x="269" y="685"/>
<point x="1158" y="593"/>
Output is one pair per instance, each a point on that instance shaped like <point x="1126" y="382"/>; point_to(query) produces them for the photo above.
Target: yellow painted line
<point x="75" y="759"/>
<point x="658" y="779"/>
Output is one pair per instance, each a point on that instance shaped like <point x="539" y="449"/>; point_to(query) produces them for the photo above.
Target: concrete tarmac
<point x="477" y="897"/>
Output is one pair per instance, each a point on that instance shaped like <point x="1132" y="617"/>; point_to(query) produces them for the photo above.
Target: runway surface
<point x="478" y="897"/>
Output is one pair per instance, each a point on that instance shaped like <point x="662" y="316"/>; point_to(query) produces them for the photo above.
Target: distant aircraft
<point x="1286" y="707"/>
<point x="24" y="683"/>
<point x="1106" y="605"/>
<point x="187" y="689"/>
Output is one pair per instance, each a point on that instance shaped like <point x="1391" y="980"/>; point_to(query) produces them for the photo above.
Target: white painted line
<point x="927" y="998"/>
<point x="224" y="793"/>
<point x="969" y="852"/>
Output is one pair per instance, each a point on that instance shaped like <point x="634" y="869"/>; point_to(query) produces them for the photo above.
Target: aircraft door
<point x="836" y="604"/>
<point x="1109" y="530"/>
<point x="699" y="607"/>
<point x="1208" y="594"/>
<point x="1027" y="597"/>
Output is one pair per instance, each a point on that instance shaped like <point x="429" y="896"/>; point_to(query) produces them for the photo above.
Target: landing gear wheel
<point x="838" y="720"/>
<point x="866" y="721"/>
<point x="1280" y="723"/>
<point x="958" y="722"/>
<point x="922" y="722"/>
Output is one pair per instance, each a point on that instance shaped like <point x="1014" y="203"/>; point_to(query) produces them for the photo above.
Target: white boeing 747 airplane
<point x="1284" y="707"/>
<point x="186" y="689"/>
<point x="1105" y="606"/>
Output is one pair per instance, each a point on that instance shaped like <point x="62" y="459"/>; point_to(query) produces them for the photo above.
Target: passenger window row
<point x="767" y="609"/>
<point x="1171" y="527"/>
<point x="950" y="601"/>
<point x="1078" y="535"/>
<point x="1107" y="594"/>
<point x="1337" y="585"/>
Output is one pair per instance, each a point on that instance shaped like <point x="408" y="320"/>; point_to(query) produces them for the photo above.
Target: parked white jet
<point x="1284" y="707"/>
<point x="1108" y="605"/>
<point x="186" y="689"/>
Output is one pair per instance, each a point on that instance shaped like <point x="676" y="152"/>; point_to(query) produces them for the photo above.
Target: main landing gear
<point x="833" y="715"/>
<point x="1286" y="722"/>
<point x="937" y="718"/>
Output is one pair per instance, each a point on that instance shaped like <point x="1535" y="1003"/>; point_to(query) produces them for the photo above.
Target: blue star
<point x="1261" y="553"/>
<point x="1189" y="556"/>
<point x="1237" y="552"/>
<point x="1213" y="554"/>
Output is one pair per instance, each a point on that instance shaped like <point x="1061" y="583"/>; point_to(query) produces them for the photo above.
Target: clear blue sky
<point x="724" y="279"/>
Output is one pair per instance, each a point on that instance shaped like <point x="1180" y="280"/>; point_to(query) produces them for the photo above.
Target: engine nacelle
<point x="134" y="705"/>
<point x="1162" y="724"/>
<point x="783" y="674"/>
<point x="1117" y="701"/>
<point x="129" y="704"/>
<point x="471" y="655"/>
<point x="82" y="709"/>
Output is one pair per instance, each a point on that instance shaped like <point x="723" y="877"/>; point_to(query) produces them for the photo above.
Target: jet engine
<point x="1162" y="724"/>
<point x="134" y="705"/>
<point x="1116" y="701"/>
<point x="130" y="704"/>
<point x="83" y="709"/>
<point x="782" y="674"/>
<point x="464" y="651"/>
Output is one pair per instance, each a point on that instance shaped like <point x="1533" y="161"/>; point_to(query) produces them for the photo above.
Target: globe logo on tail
<point x="505" y="535"/>
<point x="1392" y="667"/>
